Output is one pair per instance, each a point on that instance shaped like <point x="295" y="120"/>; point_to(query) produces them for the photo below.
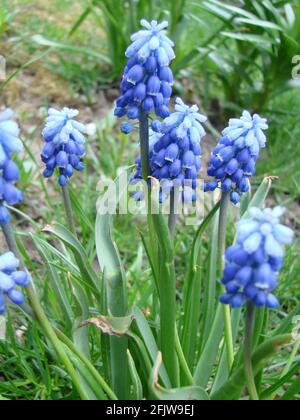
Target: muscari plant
<point x="186" y="347"/>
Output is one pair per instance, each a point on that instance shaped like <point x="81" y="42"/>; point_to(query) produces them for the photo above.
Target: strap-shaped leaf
<point x="179" y="394"/>
<point x="62" y="233"/>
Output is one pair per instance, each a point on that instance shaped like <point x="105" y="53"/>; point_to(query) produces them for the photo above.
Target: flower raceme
<point x="10" y="280"/>
<point x="147" y="80"/>
<point x="9" y="173"/>
<point x="64" y="144"/>
<point x="175" y="151"/>
<point x="253" y="264"/>
<point x="233" y="161"/>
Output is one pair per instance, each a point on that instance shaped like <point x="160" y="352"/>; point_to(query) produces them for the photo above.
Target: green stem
<point x="172" y="215"/>
<point x="49" y="332"/>
<point x="42" y="318"/>
<point x="222" y="247"/>
<point x="166" y="268"/>
<point x="65" y="340"/>
<point x="68" y="209"/>
<point x="183" y="363"/>
<point x="250" y="320"/>
<point x="96" y="375"/>
<point x="144" y="144"/>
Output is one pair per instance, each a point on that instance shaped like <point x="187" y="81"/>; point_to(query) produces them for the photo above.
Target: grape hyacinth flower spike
<point x="9" y="143"/>
<point x="175" y="151"/>
<point x="64" y="146"/>
<point x="147" y="80"/>
<point x="10" y="281"/>
<point x="233" y="161"/>
<point x="254" y="263"/>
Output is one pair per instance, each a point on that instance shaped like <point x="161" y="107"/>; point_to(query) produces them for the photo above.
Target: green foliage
<point x="252" y="51"/>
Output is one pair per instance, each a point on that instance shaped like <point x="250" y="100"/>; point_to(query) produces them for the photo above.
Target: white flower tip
<point x="90" y="129"/>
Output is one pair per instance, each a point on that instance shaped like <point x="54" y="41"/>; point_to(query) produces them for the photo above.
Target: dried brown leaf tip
<point x="110" y="325"/>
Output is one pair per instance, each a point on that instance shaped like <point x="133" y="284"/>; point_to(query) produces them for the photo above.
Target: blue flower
<point x="253" y="264"/>
<point x="10" y="280"/>
<point x="126" y="127"/>
<point x="9" y="136"/>
<point x="175" y="151"/>
<point x="9" y="173"/>
<point x="233" y="161"/>
<point x="64" y="144"/>
<point x="147" y="80"/>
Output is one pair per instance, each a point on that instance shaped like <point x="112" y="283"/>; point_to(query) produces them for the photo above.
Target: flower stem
<point x="144" y="144"/>
<point x="42" y="318"/>
<point x="250" y="319"/>
<point x="222" y="247"/>
<point x="172" y="215"/>
<point x="166" y="268"/>
<point x="68" y="209"/>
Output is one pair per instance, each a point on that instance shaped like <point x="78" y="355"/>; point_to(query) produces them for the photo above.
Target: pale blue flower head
<point x="253" y="265"/>
<point x="233" y="160"/>
<point x="9" y="136"/>
<point x="10" y="281"/>
<point x="146" y="85"/>
<point x="186" y="120"/>
<point x="264" y="230"/>
<point x="152" y="39"/>
<point x="9" y="173"/>
<point x="248" y="131"/>
<point x="64" y="144"/>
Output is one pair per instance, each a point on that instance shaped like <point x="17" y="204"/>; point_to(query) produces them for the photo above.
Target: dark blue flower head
<point x="147" y="80"/>
<point x="253" y="265"/>
<point x="10" y="280"/>
<point x="175" y="150"/>
<point x="234" y="159"/>
<point x="9" y="143"/>
<point x="64" y="146"/>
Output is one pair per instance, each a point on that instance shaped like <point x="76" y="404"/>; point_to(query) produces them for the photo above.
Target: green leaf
<point x="292" y="391"/>
<point x="80" y="20"/>
<point x="287" y="322"/>
<point x="12" y="75"/>
<point x="235" y="10"/>
<point x="253" y="39"/>
<point x="259" y="198"/>
<point x="217" y="11"/>
<point x="209" y="300"/>
<point x="62" y="233"/>
<point x="260" y="23"/>
<point x="210" y="351"/>
<point x="55" y="280"/>
<point x="117" y="304"/>
<point x="135" y="379"/>
<point x="149" y="340"/>
<point x="111" y="266"/>
<point x="233" y="388"/>
<point x="39" y="39"/>
<point x="180" y="394"/>
<point x="272" y="390"/>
